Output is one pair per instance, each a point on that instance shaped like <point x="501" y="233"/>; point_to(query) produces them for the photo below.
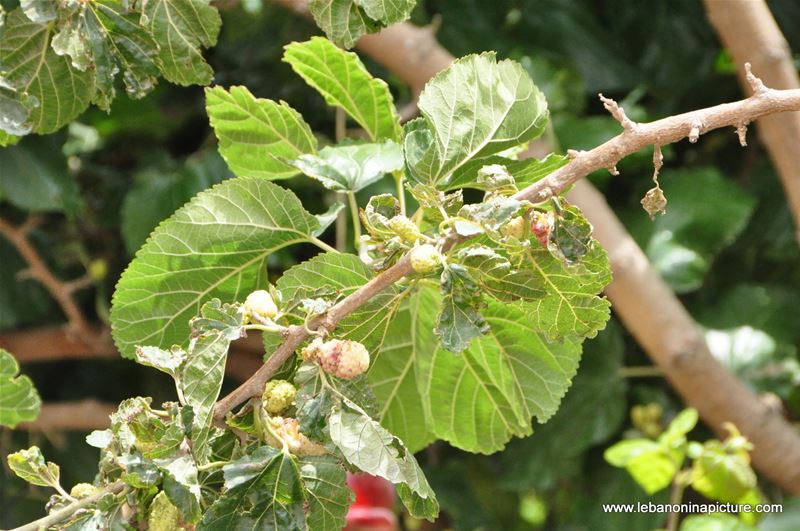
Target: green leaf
<point x="343" y="273"/>
<point x="257" y="137"/>
<point x="159" y="191"/>
<point x="20" y="401"/>
<point x="590" y="413"/>
<point x="682" y="424"/>
<point x="202" y="371"/>
<point x="328" y="496"/>
<point x="263" y="491"/>
<point x="459" y="320"/>
<point x="215" y="246"/>
<point x="394" y="370"/>
<point x="327" y="218"/>
<point x="524" y="172"/>
<point x="475" y="108"/>
<point x="8" y="140"/>
<point x="181" y="485"/>
<point x="648" y="462"/>
<point x="714" y="522"/>
<point x="106" y="38"/>
<point x="36" y="178"/>
<point x="353" y="167"/>
<point x="344" y="21"/>
<point x="40" y="91"/>
<point x="705" y="214"/>
<point x="366" y="445"/>
<point x="722" y="474"/>
<point x="183" y="28"/>
<point x="479" y="399"/>
<point x="572" y="305"/>
<point x="344" y="82"/>
<point x="496" y="276"/>
<point x="30" y="465"/>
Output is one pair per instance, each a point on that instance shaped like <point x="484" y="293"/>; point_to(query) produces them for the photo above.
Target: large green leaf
<point x="215" y="246"/>
<point x="343" y="81"/>
<point x="477" y="400"/>
<point x="393" y="374"/>
<point x="19" y="401"/>
<point x="475" y="108"/>
<point x="39" y="90"/>
<point x="263" y="491"/>
<point x="344" y="21"/>
<point x="183" y="28"/>
<point x="591" y="412"/>
<point x="351" y="168"/>
<point x="257" y="137"/>
<point x="342" y="273"/>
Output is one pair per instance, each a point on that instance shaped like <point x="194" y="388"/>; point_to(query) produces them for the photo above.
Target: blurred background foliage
<point x="726" y="244"/>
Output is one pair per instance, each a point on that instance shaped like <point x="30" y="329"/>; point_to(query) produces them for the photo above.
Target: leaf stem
<point x="211" y="466"/>
<point x="351" y="199"/>
<point x="322" y="245"/>
<point x="401" y="191"/>
<point x="641" y="372"/>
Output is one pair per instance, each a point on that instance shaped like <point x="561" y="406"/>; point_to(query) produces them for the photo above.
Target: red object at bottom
<point x="372" y="510"/>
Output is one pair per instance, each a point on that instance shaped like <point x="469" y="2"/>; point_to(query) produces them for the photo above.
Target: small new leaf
<point x="30" y="465"/>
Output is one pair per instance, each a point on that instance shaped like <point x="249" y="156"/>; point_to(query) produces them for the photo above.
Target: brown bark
<point x="663" y="327"/>
<point x="749" y="31"/>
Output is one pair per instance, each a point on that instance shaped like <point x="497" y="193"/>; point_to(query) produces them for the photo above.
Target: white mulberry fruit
<point x="278" y="396"/>
<point x="164" y="516"/>
<point x="405" y="228"/>
<point x="425" y="258"/>
<point x="260" y="305"/>
<point x="516" y="228"/>
<point x="83" y="490"/>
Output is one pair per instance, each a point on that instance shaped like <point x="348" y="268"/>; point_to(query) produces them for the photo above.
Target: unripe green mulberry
<point x="287" y="431"/>
<point x="425" y="258"/>
<point x="516" y="228"/>
<point x="278" y="396"/>
<point x="163" y="515"/>
<point x="83" y="490"/>
<point x="260" y="305"/>
<point x="405" y="228"/>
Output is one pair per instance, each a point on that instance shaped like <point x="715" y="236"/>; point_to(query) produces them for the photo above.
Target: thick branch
<point x="748" y="29"/>
<point x="660" y="323"/>
<point x="60" y="290"/>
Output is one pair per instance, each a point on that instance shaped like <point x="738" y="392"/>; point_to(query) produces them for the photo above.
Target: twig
<point x="607" y="155"/>
<point x="60" y="290"/>
<point x="618" y="113"/>
<point x="72" y="508"/>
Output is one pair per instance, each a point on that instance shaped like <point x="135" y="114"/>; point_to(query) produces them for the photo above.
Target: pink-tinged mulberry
<point x="287" y="431"/>
<point x="339" y="357"/>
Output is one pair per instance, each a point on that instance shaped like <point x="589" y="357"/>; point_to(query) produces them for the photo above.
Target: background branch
<point x="82" y="415"/>
<point x="749" y="31"/>
<point x="60" y="290"/>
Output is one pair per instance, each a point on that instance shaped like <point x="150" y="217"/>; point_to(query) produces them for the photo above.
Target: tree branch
<point x="72" y="508"/>
<point x="748" y="29"/>
<point x="60" y="290"/>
